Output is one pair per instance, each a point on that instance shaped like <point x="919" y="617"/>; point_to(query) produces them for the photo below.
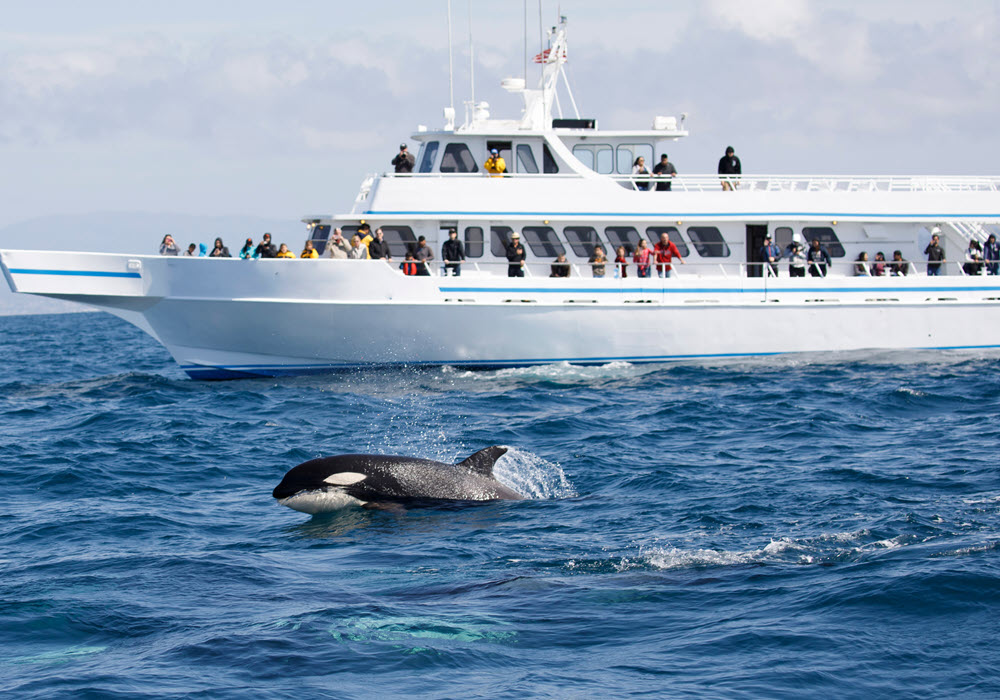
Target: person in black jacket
<point x="515" y="256"/>
<point x="220" y="250"/>
<point x="935" y="255"/>
<point x="818" y="259"/>
<point x="266" y="249"/>
<point x="378" y="249"/>
<point x="453" y="253"/>
<point x="404" y="161"/>
<point x="730" y="165"/>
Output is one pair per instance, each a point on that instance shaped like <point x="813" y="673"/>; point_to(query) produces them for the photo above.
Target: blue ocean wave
<point x="774" y="527"/>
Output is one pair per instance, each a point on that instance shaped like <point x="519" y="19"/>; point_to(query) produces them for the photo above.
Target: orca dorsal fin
<point x="482" y="462"/>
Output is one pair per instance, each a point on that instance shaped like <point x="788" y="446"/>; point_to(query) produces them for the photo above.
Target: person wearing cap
<point x="423" y="255"/>
<point x="663" y="172"/>
<point x="453" y="253"/>
<point x="515" y="256"/>
<point x="365" y="231"/>
<point x="266" y="249"/>
<point x="770" y="254"/>
<point x="495" y="165"/>
<point x="404" y="160"/>
<point x="730" y="165"/>
<point x="796" y="260"/>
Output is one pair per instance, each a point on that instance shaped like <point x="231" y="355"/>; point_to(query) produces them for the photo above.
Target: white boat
<point x="568" y="186"/>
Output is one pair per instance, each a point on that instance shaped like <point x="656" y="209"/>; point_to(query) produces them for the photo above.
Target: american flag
<point x="547" y="56"/>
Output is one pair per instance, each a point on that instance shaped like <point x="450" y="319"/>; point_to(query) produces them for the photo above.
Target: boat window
<point x="622" y="235"/>
<point x="582" y="239"/>
<point x="473" y="241"/>
<point x="549" y="165"/>
<point x="526" y="159"/>
<point x="596" y="156"/>
<point x="400" y="240"/>
<point x="653" y="234"/>
<point x="458" y="158"/>
<point x="782" y="237"/>
<point x="543" y="241"/>
<point x="827" y="237"/>
<point x="428" y="152"/>
<point x="320" y="234"/>
<point x="628" y="152"/>
<point x="708" y="241"/>
<point x="499" y="236"/>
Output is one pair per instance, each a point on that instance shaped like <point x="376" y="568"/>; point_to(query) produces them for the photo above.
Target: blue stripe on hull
<point x="75" y="273"/>
<point x="258" y="371"/>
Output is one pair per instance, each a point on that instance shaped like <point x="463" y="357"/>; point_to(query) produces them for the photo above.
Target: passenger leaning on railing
<point x="358" y="251"/>
<point x="598" y="260"/>
<point x="168" y="247"/>
<point x="878" y="267"/>
<point x="818" y="259"/>
<point x="309" y="251"/>
<point x="337" y="246"/>
<point x="515" y="256"/>
<point x="991" y="255"/>
<point x="899" y="267"/>
<point x="641" y="258"/>
<point x="973" y="258"/>
<point x="560" y="268"/>
<point x="621" y="263"/>
<point x="935" y="256"/>
<point x="796" y="260"/>
<point x="247" y="252"/>
<point x="665" y="251"/>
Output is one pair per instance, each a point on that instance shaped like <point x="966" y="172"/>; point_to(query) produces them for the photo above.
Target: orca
<point x="331" y="483"/>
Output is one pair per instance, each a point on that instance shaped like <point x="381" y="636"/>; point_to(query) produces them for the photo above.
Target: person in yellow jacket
<point x="365" y="232"/>
<point x="284" y="252"/>
<point x="495" y="165"/>
<point x="309" y="251"/>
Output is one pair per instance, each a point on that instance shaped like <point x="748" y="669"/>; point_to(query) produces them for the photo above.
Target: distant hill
<point x="128" y="232"/>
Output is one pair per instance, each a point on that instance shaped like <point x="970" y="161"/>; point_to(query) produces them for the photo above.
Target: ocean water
<point x="784" y="527"/>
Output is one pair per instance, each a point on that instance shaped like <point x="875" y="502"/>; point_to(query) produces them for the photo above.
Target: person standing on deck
<point x="935" y="254"/>
<point x="495" y="165"/>
<point x="991" y="255"/>
<point x="404" y="161"/>
<point x="453" y="253"/>
<point x="770" y="254"/>
<point x="729" y="165"/>
<point x="663" y="173"/>
<point x="818" y="259"/>
<point x="665" y="251"/>
<point x="515" y="256"/>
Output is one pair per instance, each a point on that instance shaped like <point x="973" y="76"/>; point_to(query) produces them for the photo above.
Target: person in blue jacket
<point x="991" y="255"/>
<point x="770" y="254"/>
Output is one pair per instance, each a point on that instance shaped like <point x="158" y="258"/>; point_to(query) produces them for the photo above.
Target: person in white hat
<point x="495" y="165"/>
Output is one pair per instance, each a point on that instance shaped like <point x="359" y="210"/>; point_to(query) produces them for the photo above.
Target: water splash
<point x="532" y="476"/>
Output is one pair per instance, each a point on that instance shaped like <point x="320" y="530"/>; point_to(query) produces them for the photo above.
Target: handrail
<point x="763" y="182"/>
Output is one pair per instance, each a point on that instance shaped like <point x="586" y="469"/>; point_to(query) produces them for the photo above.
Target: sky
<point x="279" y="110"/>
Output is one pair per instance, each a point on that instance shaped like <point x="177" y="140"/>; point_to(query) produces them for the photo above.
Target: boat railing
<point x="697" y="269"/>
<point x="760" y="183"/>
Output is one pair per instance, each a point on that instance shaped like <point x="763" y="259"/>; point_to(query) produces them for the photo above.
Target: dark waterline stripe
<point x="249" y="371"/>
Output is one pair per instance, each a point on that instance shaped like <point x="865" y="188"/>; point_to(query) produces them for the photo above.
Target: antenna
<point x="541" y="52"/>
<point x="472" y="67"/>
<point x="451" y="64"/>
<point x="525" y="42"/>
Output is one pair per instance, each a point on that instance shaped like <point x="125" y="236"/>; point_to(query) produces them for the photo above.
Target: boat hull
<point x="226" y="319"/>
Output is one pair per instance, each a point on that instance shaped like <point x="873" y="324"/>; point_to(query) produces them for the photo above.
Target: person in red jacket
<point x="665" y="251"/>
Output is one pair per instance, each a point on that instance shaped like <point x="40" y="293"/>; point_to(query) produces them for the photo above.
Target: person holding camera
<point x="404" y="160"/>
